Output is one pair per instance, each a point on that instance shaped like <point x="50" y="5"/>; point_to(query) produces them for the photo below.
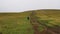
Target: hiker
<point x="28" y="18"/>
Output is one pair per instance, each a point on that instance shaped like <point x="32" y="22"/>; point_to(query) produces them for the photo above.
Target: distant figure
<point x="28" y="18"/>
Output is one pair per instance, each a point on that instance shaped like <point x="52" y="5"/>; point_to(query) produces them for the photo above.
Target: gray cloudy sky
<point x="22" y="5"/>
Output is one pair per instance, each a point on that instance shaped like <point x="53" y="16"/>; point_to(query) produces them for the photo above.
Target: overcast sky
<point x="23" y="5"/>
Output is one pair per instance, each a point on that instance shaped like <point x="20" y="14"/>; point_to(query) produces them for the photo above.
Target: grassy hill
<point x="17" y="23"/>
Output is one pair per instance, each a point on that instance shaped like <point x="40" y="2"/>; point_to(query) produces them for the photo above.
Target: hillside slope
<point x="21" y="23"/>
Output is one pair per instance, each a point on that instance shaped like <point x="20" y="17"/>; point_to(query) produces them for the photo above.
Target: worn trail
<point x="35" y="23"/>
<point x="35" y="26"/>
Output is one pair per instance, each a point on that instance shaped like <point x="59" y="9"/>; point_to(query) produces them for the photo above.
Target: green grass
<point x="17" y="23"/>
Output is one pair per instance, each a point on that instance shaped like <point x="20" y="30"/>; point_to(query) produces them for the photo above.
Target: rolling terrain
<point x="30" y="22"/>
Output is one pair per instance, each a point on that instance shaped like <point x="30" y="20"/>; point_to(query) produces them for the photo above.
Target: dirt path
<point x="36" y="24"/>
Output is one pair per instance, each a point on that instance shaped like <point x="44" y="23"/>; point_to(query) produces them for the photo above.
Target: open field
<point x="30" y="22"/>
